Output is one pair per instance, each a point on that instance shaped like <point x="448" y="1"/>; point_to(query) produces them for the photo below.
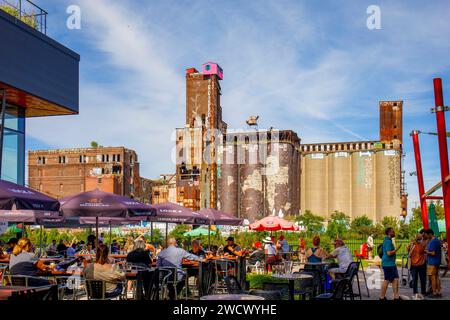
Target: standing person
<point x="301" y="250"/>
<point x="270" y="252"/>
<point x="283" y="245"/>
<point x="445" y="257"/>
<point x="388" y="263"/>
<point x="434" y="253"/>
<point x="370" y="245"/>
<point x="416" y="252"/>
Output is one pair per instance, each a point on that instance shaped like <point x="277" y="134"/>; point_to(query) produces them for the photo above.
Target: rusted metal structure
<point x="439" y="110"/>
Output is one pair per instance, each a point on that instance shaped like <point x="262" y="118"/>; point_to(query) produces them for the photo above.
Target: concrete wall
<point x="354" y="178"/>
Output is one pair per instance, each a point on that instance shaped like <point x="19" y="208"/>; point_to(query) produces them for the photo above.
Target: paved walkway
<point x="375" y="279"/>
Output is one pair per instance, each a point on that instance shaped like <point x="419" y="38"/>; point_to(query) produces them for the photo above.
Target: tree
<point x="94" y="144"/>
<point x="362" y="226"/>
<point x="312" y="223"/>
<point x="338" y="224"/>
<point x="178" y="232"/>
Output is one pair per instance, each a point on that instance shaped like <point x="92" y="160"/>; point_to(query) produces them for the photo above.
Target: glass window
<point x="13" y="159"/>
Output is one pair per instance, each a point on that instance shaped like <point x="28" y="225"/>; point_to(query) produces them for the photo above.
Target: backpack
<point x="380" y="251"/>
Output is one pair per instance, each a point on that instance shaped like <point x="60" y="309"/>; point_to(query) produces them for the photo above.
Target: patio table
<point x="292" y="277"/>
<point x="231" y="297"/>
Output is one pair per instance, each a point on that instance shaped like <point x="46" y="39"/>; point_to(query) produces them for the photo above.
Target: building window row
<point x="41" y="160"/>
<point x="62" y="159"/>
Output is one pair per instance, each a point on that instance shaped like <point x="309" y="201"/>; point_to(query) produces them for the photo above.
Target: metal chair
<point x="164" y="276"/>
<point x="3" y="269"/>
<point x="27" y="281"/>
<point x="46" y="293"/>
<point x="233" y="286"/>
<point x="96" y="290"/>
<point x="267" y="295"/>
<point x="350" y="274"/>
<point x="338" y="292"/>
<point x="282" y="288"/>
<point x="70" y="288"/>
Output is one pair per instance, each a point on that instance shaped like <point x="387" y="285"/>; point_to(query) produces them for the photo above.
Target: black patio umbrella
<point x="103" y="207"/>
<point x="26" y="205"/>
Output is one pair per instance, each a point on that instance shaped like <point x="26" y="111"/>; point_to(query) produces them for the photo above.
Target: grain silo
<point x="339" y="181"/>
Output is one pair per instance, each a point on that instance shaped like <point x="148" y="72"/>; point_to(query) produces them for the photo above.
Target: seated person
<point x="103" y="270"/>
<point x="23" y="262"/>
<point x="115" y="248"/>
<point x="257" y="254"/>
<point x="61" y="248"/>
<point x="343" y="256"/>
<point x="316" y="254"/>
<point x="232" y="248"/>
<point x="11" y="244"/>
<point x="172" y="257"/>
<point x="139" y="256"/>
<point x="51" y="249"/>
<point x="197" y="250"/>
<point x="283" y="245"/>
<point x="72" y="250"/>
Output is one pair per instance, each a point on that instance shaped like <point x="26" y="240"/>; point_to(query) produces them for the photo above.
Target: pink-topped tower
<point x="212" y="68"/>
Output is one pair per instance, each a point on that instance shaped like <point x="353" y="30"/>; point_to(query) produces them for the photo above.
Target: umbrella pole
<point x="96" y="232"/>
<point x="40" y="242"/>
<point x="167" y="231"/>
<point x="209" y="237"/>
<point x="110" y="237"/>
<point x="151" y="231"/>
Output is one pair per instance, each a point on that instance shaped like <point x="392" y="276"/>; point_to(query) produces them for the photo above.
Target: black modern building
<point x="39" y="77"/>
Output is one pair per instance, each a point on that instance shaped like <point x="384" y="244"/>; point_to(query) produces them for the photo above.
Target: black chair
<point x="47" y="293"/>
<point x="233" y="286"/>
<point x="27" y="281"/>
<point x="267" y="295"/>
<point x="207" y="279"/>
<point x="96" y="290"/>
<point x="148" y="285"/>
<point x="70" y="288"/>
<point x="350" y="274"/>
<point x="282" y="288"/>
<point x="308" y="288"/>
<point x="338" y="291"/>
<point x="164" y="279"/>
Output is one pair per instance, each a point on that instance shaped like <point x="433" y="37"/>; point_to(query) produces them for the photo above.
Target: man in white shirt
<point x="343" y="256"/>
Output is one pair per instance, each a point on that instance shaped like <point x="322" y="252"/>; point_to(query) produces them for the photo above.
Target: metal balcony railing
<point x="27" y="12"/>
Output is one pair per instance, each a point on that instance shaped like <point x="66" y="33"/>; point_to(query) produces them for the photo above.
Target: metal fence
<point x="28" y="12"/>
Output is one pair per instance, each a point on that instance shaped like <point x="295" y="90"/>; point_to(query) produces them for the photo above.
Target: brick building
<point x="65" y="172"/>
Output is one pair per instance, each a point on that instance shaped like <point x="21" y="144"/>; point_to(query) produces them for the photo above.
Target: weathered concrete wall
<point x="268" y="172"/>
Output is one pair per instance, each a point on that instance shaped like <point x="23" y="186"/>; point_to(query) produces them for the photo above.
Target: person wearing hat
<point x="343" y="256"/>
<point x="232" y="248"/>
<point x="271" y="252"/>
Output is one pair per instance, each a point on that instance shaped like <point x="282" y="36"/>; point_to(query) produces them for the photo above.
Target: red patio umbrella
<point x="273" y="223"/>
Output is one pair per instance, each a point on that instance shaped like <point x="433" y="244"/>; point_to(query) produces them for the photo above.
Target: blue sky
<point x="310" y="66"/>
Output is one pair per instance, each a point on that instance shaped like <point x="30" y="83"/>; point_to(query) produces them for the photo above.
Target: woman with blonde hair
<point x="24" y="262"/>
